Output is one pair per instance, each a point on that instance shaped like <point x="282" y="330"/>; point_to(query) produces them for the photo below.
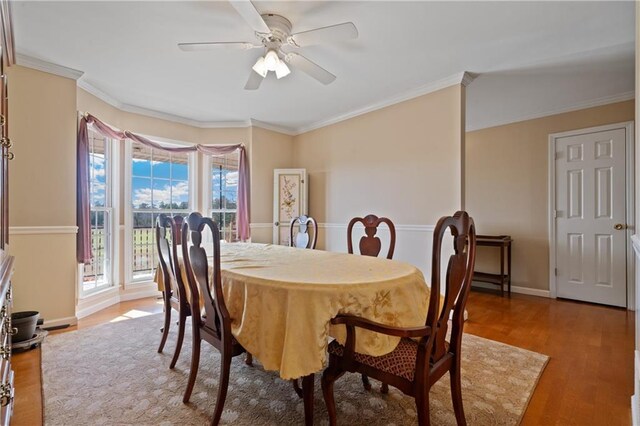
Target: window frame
<point x="129" y="279"/>
<point x="207" y="198"/>
<point x="112" y="160"/>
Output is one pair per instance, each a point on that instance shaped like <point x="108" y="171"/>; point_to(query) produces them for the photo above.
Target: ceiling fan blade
<point x="254" y="81"/>
<point x="345" y="31"/>
<point x="248" y="11"/>
<point x="211" y="45"/>
<point x="311" y="68"/>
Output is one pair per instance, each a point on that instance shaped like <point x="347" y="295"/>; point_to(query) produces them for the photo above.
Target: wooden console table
<point x="503" y="242"/>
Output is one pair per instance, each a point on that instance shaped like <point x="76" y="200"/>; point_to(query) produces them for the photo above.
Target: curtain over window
<point x="83" y="203"/>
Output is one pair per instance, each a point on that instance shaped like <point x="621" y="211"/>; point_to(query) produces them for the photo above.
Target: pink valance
<point x="83" y="204"/>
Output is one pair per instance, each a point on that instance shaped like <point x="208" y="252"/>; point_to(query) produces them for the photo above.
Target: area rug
<point x="112" y="375"/>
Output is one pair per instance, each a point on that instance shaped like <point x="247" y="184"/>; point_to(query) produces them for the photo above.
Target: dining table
<point x="282" y="299"/>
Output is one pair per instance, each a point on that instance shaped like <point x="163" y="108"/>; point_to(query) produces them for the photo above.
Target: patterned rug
<point x="112" y="375"/>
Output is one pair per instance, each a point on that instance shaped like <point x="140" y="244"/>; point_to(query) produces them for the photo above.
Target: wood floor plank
<point x="589" y="378"/>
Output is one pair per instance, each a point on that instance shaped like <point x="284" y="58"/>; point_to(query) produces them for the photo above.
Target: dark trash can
<point x="26" y="323"/>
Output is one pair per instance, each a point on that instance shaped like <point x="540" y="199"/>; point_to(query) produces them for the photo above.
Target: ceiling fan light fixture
<point x="260" y="67"/>
<point x="271" y="60"/>
<point x="282" y="70"/>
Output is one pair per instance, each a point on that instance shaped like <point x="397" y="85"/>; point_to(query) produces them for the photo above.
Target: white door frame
<point x="630" y="207"/>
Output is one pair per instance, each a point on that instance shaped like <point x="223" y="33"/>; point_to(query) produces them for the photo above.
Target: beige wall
<point x="507" y="185"/>
<point x="403" y="161"/>
<point x="42" y="190"/>
<point x="270" y="150"/>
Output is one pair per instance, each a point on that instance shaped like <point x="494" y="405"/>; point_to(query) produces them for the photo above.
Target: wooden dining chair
<point x="423" y="355"/>
<point x="301" y="238"/>
<point x="215" y="326"/>
<point x="370" y="245"/>
<point x="174" y="294"/>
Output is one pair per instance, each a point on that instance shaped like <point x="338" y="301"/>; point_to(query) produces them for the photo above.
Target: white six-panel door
<point x="591" y="217"/>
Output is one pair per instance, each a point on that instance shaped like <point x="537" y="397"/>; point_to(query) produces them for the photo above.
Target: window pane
<point x="231" y="180"/>
<point x="144" y="258"/>
<point x="180" y="194"/>
<point x="231" y="200"/>
<point x="141" y="164"/>
<point x="161" y="194"/>
<point x="141" y="193"/>
<point x="180" y="167"/>
<point x="98" y="183"/>
<point x="161" y="166"/>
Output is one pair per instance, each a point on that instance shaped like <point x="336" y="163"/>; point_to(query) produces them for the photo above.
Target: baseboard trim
<point x="635" y="399"/>
<point x="148" y="291"/>
<point x="60" y="322"/>
<point x="92" y="308"/>
<point x="90" y="305"/>
<point x="515" y="289"/>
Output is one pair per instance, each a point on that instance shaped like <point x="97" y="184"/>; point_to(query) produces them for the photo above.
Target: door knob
<point x="618" y="226"/>
<point x="276" y="223"/>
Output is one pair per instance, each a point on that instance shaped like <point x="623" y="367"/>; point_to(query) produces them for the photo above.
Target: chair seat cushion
<point x="400" y="362"/>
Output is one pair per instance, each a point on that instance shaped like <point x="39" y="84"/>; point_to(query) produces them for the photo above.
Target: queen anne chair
<point x="174" y="294"/>
<point x="423" y="355"/>
<point x="215" y="326"/>
<point x="370" y="245"/>
<point x="301" y="238"/>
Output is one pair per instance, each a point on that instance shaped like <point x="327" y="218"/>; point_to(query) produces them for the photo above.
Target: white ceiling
<point x="531" y="57"/>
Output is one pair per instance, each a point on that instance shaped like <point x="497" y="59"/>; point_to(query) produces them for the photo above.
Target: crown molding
<point x="85" y="85"/>
<point x="48" y="67"/>
<point x="463" y="78"/>
<point x="90" y="88"/>
<point x="273" y="127"/>
<point x="605" y="100"/>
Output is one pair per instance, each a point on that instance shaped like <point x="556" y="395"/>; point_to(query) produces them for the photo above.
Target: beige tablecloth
<point x="282" y="299"/>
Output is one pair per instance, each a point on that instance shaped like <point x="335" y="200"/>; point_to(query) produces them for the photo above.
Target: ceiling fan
<point x="274" y="33"/>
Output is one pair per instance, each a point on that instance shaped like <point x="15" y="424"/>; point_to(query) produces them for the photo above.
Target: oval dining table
<point x="282" y="299"/>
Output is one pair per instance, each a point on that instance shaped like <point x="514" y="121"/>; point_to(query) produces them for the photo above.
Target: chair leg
<point x="195" y="363"/>
<point x="330" y="375"/>
<point x="297" y="388"/>
<point x="165" y="329"/>
<point x="366" y="383"/>
<point x="225" y="367"/>
<point x="181" y="325"/>
<point x="422" y="406"/>
<point x="456" y="394"/>
<point x="248" y="359"/>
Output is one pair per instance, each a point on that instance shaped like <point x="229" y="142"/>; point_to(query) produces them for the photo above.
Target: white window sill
<point x="102" y="292"/>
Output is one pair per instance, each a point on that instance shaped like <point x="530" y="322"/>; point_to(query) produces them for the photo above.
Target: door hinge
<point x="555" y="271"/>
<point x="555" y="214"/>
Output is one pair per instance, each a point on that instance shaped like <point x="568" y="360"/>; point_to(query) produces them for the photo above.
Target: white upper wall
<point x="569" y="83"/>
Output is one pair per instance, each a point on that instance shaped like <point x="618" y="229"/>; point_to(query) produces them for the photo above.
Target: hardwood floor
<point x="588" y="381"/>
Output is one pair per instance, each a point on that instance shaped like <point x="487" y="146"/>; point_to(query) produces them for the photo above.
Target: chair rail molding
<point x="42" y="230"/>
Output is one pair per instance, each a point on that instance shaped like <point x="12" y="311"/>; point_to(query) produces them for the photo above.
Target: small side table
<point x="503" y="242"/>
